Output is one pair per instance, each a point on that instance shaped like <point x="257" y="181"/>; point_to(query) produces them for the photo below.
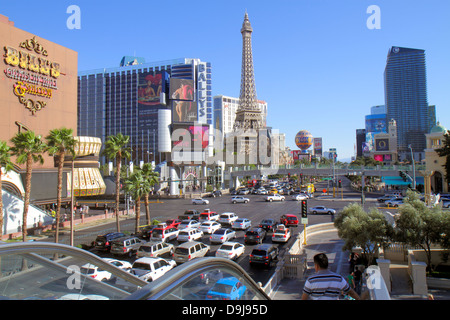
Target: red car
<point x="289" y="220"/>
<point x="173" y="223"/>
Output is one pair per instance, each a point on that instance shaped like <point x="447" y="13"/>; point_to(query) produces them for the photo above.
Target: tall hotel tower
<point x="405" y="84"/>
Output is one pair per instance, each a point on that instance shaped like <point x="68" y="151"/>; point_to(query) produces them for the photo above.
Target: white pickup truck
<point x="275" y="197"/>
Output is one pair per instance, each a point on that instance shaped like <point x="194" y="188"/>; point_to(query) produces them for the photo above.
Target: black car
<point x="103" y="242"/>
<point x="214" y="194"/>
<point x="264" y="254"/>
<point x="268" y="224"/>
<point x="255" y="235"/>
<point x="146" y="232"/>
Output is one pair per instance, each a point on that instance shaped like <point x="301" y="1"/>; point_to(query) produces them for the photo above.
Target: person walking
<point x="325" y="284"/>
<point x="358" y="278"/>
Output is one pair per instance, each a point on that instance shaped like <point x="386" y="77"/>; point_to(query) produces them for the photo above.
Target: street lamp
<point x="413" y="167"/>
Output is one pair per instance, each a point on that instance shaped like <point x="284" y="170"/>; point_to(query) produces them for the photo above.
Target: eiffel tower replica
<point x="248" y="120"/>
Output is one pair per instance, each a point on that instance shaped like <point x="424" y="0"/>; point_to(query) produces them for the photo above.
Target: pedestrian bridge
<point x="327" y="170"/>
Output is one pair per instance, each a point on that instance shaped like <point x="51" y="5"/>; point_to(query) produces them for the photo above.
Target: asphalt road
<point x="256" y="210"/>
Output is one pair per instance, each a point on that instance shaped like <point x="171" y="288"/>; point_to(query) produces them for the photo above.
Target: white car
<point x="188" y="224"/>
<point x="300" y="196"/>
<point x="222" y="235"/>
<point x="445" y="204"/>
<point x="124" y="265"/>
<point x="321" y="209"/>
<point x="230" y="250"/>
<point x="149" y="269"/>
<point x="189" y="234"/>
<point x="209" y="226"/>
<point x="239" y="199"/>
<point x="394" y="202"/>
<point x="200" y="201"/>
<point x="95" y="272"/>
<point x="228" y="218"/>
<point x="262" y="191"/>
<point x="242" y="223"/>
<point x="281" y="234"/>
<point x="275" y="197"/>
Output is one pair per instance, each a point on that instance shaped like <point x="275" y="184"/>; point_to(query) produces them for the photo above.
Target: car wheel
<point x="270" y="200"/>
<point x="314" y="212"/>
<point x="234" y="202"/>
<point x="245" y="201"/>
<point x="329" y="212"/>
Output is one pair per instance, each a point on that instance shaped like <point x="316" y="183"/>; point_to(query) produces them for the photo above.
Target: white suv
<point x="228" y="218"/>
<point x="149" y="269"/>
<point x="189" y="234"/>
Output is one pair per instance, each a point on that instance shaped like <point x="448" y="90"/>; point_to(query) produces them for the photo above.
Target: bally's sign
<point x="201" y="92"/>
<point x="34" y="74"/>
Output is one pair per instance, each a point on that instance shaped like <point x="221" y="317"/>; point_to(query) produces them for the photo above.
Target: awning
<point x="87" y="182"/>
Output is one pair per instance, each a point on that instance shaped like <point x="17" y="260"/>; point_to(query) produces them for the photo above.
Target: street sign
<point x="304" y="220"/>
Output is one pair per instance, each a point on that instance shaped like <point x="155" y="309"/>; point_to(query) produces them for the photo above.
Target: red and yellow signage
<point x="36" y="76"/>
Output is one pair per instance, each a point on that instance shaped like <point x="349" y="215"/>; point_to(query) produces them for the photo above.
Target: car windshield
<point x="291" y="218"/>
<point x="226" y="247"/>
<point x="85" y="270"/>
<point x="257" y="252"/>
<point x="220" y="231"/>
<point x="145" y="248"/>
<point x="222" y="288"/>
<point x="157" y="232"/>
<point x="141" y="266"/>
<point x="240" y="220"/>
<point x="252" y="233"/>
<point x="266" y="221"/>
<point x="183" y="233"/>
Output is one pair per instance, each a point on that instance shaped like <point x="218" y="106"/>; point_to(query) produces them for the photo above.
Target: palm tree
<point x="151" y="178"/>
<point x="115" y="148"/>
<point x="137" y="187"/>
<point x="5" y="162"/>
<point x="28" y="148"/>
<point x="60" y="141"/>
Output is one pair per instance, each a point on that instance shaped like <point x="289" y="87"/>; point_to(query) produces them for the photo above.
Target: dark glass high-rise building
<point x="405" y="84"/>
<point x="127" y="99"/>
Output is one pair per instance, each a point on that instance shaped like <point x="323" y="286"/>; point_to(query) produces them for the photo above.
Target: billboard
<point x="381" y="144"/>
<point x="150" y="87"/>
<point x="190" y="137"/>
<point x="184" y="111"/>
<point x="317" y="146"/>
<point x="299" y="155"/>
<point x="376" y="123"/>
<point x="181" y="89"/>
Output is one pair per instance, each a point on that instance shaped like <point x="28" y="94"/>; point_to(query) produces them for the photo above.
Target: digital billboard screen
<point x="382" y="144"/>
<point x="181" y="89"/>
<point x="190" y="137"/>
<point x="184" y="111"/>
<point x="150" y="87"/>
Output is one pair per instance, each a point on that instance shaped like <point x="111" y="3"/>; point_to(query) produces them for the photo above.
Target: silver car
<point x="222" y="235"/>
<point x="190" y="250"/>
<point x="242" y="223"/>
<point x="200" y="201"/>
<point x="321" y="209"/>
<point x="155" y="249"/>
<point x="239" y="199"/>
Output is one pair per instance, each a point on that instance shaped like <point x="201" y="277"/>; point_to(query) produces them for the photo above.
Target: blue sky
<point x="316" y="63"/>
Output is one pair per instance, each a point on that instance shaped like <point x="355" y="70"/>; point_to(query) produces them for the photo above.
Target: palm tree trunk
<point x="147" y="209"/>
<point x="138" y="214"/>
<point x="118" y="160"/>
<point x="26" y="202"/>
<point x="58" y="195"/>
<point x="1" y="207"/>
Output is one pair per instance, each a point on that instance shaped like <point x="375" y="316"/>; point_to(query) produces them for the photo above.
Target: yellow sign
<point x="36" y="75"/>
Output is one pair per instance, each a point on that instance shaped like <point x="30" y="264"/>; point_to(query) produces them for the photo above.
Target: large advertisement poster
<point x="317" y="146"/>
<point x="150" y="87"/>
<point x="190" y="137"/>
<point x="181" y="89"/>
<point x="184" y="108"/>
<point x="184" y="111"/>
<point x="382" y="145"/>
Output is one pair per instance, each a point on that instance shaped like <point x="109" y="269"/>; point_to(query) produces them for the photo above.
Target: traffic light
<point x="340" y="184"/>
<point x="403" y="175"/>
<point x="304" y="209"/>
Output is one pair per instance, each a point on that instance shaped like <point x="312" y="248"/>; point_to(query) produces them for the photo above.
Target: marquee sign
<point x="36" y="76"/>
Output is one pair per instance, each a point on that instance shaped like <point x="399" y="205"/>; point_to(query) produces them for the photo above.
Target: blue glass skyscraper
<point x="406" y="101"/>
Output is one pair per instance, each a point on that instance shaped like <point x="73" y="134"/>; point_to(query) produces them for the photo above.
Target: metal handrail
<point x="172" y="279"/>
<point x="27" y="248"/>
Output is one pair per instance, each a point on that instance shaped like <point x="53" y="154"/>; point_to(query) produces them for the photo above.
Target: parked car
<point x="445" y="204"/>
<point x="228" y="218"/>
<point x="103" y="242"/>
<point x="192" y="214"/>
<point x="121" y="264"/>
<point x="300" y="196"/>
<point x="209" y="226"/>
<point x="264" y="254"/>
<point x="273" y="191"/>
<point x="189" y="224"/>
<point x="200" y="201"/>
<point x="275" y="197"/>
<point x="214" y="194"/>
<point x="289" y="220"/>
<point x="268" y="224"/>
<point x="281" y="234"/>
<point x="321" y="209"/>
<point x="150" y="269"/>
<point x="262" y="191"/>
<point x="229" y="288"/>
<point x="394" y="202"/>
<point x="230" y="250"/>
<point x="386" y="197"/>
<point x="239" y="199"/>
<point x="189" y="234"/>
<point x="173" y="223"/>
<point x="95" y="272"/>
<point x="255" y="235"/>
<point x="164" y="234"/>
<point x="222" y="235"/>
<point x="190" y="250"/>
<point x="243" y="191"/>
<point x="155" y="249"/>
<point x="126" y="245"/>
<point x="242" y="223"/>
<point x="208" y="215"/>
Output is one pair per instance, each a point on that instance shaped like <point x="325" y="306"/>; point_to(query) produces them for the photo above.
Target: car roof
<point x="230" y="243"/>
<point x="263" y="246"/>
<point x="228" y="281"/>
<point x="188" y="244"/>
<point x="148" y="259"/>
